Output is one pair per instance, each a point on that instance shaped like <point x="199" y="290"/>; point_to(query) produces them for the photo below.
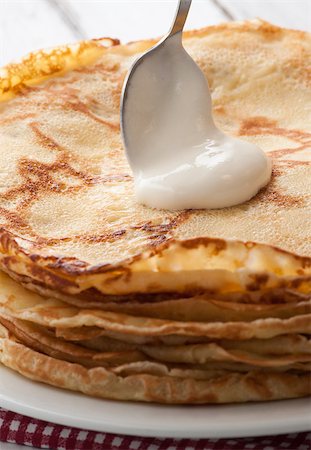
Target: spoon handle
<point x="181" y="16"/>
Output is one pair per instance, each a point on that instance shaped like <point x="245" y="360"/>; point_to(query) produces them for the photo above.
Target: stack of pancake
<point x="105" y="296"/>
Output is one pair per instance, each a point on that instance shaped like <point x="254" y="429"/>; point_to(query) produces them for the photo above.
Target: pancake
<point x="208" y="310"/>
<point x="95" y="337"/>
<point x="115" y="355"/>
<point x="169" y="387"/>
<point x="44" y="341"/>
<point x="204" y="353"/>
<point x="15" y="298"/>
<point x="68" y="215"/>
<point x="93" y="299"/>
<point x="203" y="372"/>
<point x="17" y="302"/>
<point x="281" y="345"/>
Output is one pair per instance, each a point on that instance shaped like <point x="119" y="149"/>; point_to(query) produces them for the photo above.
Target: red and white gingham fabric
<point x="19" y="429"/>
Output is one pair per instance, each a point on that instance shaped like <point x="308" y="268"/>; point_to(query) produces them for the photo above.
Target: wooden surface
<point x="26" y="25"/>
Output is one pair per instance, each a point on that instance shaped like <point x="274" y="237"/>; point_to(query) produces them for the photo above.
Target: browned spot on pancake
<point x="108" y="237"/>
<point x="158" y="234"/>
<point x="219" y="244"/>
<point x="290" y="151"/>
<point x="8" y="243"/>
<point x="294" y="163"/>
<point x="283" y="200"/>
<point x="149" y="227"/>
<point x="271" y="194"/>
<point x="14" y="219"/>
<point x="261" y="389"/>
<point x="262" y="125"/>
<point x="260" y="280"/>
<point x="49" y="278"/>
<point x="278" y="169"/>
<point x="7" y="262"/>
<point x="43" y="139"/>
<point x="299" y="281"/>
<point x="250" y="125"/>
<point x="24" y="90"/>
<point x="39" y="177"/>
<point x="219" y="109"/>
<point x="87" y="238"/>
<point x="16" y="118"/>
<point x="157" y="240"/>
<point x="81" y="107"/>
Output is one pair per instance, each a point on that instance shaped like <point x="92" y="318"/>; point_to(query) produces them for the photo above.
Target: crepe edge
<point x="42" y="64"/>
<point x="99" y="382"/>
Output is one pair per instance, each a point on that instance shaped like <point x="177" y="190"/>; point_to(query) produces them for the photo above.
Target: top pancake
<point x="67" y="207"/>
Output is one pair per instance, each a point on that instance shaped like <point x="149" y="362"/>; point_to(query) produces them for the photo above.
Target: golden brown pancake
<point x="208" y="310"/>
<point x="254" y="353"/>
<point x="152" y="382"/>
<point x="43" y="340"/>
<point x="211" y="352"/>
<point x="19" y="303"/>
<point x="68" y="215"/>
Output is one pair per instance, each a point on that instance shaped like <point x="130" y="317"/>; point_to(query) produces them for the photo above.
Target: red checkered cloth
<point x="19" y="429"/>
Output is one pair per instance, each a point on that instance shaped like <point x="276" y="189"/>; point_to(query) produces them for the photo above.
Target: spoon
<point x="179" y="159"/>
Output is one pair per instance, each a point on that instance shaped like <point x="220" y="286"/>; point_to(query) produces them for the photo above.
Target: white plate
<point x="55" y="405"/>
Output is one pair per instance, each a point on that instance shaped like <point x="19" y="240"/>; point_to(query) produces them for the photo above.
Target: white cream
<point x="179" y="158"/>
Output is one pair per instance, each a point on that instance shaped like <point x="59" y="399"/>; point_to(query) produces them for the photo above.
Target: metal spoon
<point x="147" y="113"/>
<point x="179" y="159"/>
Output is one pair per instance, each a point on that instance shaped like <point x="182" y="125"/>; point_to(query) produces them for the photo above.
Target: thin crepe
<point x="100" y="382"/>
<point x="17" y="302"/>
<point x="114" y="246"/>
<point x="40" y="339"/>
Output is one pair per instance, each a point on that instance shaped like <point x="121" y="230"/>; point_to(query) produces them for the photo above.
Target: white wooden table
<point x="27" y="25"/>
